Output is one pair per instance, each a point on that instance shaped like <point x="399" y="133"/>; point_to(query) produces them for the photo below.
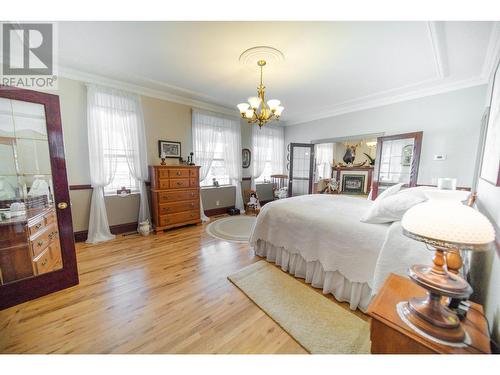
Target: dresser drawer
<point x="193" y="182"/>
<point x="179" y="217"/>
<point x="37" y="226"/>
<point x="193" y="173"/>
<point x="43" y="239"/>
<point x="174" y="196"/>
<point x="171" y="208"/>
<point x="164" y="184"/>
<point x="163" y="173"/>
<point x="50" y="218"/>
<point x="178" y="173"/>
<point x="179" y="183"/>
<point x="49" y="260"/>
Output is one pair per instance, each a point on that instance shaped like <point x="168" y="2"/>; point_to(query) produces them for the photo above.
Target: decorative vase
<point x="144" y="228"/>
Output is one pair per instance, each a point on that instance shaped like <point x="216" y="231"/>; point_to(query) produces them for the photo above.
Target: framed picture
<point x="490" y="165"/>
<point x="167" y="149"/>
<point x="246" y="157"/>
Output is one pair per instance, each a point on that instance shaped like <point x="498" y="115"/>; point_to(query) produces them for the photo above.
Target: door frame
<point x="37" y="286"/>
<point x="417" y="149"/>
<point x="311" y="166"/>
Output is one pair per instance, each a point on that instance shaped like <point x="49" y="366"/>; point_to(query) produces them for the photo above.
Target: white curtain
<point x="134" y="144"/>
<point x="260" y="142"/>
<point x="277" y="150"/>
<point x="324" y="159"/>
<point x="231" y="132"/>
<point x="115" y="124"/>
<point x="268" y="143"/>
<point x="101" y="130"/>
<point x="205" y="130"/>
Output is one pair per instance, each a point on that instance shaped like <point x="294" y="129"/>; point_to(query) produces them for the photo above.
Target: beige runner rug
<point x="315" y="322"/>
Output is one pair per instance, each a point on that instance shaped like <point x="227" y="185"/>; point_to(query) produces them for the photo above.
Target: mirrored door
<point x="301" y="169"/>
<point x="37" y="253"/>
<point x="397" y="161"/>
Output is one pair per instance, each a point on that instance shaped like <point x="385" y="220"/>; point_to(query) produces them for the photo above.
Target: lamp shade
<point x="448" y="225"/>
<point x="273" y="104"/>
<point x="279" y="110"/>
<point x="254" y="102"/>
<point x="242" y="107"/>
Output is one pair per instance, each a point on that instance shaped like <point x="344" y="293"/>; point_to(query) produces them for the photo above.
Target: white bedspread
<point x="327" y="229"/>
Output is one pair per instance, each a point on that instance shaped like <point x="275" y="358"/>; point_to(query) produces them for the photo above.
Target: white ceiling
<point x="330" y="67"/>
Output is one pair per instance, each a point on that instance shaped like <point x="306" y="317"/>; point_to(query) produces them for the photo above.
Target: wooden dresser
<point x="175" y="195"/>
<point x="29" y="245"/>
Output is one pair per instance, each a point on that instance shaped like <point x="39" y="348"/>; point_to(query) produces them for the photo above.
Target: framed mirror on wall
<point x="397" y="161"/>
<point x="37" y="250"/>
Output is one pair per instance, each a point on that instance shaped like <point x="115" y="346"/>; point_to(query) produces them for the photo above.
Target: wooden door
<point x="397" y="160"/>
<point x="301" y="169"/>
<point x="37" y="250"/>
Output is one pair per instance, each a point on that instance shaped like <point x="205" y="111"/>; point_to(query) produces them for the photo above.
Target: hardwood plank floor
<point x="166" y="293"/>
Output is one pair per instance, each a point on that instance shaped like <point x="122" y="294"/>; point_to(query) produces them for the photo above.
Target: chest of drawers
<point x="175" y="195"/>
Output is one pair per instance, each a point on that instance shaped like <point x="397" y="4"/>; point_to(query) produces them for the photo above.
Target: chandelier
<point x="256" y="110"/>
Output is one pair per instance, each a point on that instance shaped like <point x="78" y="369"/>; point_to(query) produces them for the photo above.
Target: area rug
<point x="314" y="321"/>
<point x="234" y="228"/>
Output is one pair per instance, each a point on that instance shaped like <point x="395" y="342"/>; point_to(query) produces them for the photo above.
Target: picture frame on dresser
<point x="490" y="162"/>
<point x="169" y="149"/>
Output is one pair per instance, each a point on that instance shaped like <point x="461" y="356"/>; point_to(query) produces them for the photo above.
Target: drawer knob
<point x="44" y="262"/>
<point x="179" y="183"/>
<point x="38" y="226"/>
<point x="178" y="173"/>
<point x="39" y="243"/>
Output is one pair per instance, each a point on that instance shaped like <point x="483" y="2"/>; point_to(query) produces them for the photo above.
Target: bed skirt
<point x="357" y="294"/>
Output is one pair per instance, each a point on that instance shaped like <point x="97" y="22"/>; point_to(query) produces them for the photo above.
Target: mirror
<point x="397" y="161"/>
<point x="29" y="234"/>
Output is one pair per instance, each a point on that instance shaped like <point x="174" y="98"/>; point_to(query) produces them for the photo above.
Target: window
<point x="271" y="141"/>
<point x="122" y="177"/>
<point x="114" y="148"/>
<point x="217" y="169"/>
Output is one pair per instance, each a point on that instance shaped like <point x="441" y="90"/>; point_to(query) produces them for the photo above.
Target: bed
<point x="321" y="239"/>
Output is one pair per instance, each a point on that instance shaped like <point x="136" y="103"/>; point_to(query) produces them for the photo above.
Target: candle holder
<point x="163" y="161"/>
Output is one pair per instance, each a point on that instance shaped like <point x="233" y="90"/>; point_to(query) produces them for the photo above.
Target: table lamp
<point x="442" y="226"/>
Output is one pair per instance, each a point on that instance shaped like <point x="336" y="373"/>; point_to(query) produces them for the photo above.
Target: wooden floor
<point x="165" y="293"/>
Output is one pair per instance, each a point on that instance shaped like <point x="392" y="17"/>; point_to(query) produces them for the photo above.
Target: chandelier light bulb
<point x="273" y="104"/>
<point x="254" y="102"/>
<point x="243" y="107"/>
<point x="278" y="110"/>
<point x="249" y="113"/>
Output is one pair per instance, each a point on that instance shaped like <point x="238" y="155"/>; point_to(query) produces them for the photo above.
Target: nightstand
<point x="390" y="335"/>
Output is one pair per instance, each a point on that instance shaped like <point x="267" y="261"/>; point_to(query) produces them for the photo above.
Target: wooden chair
<point x="279" y="181"/>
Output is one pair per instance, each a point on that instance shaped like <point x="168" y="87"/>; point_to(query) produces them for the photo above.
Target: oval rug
<point x="234" y="229"/>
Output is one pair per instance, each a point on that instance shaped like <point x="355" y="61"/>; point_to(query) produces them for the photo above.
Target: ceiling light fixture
<point x="256" y="111"/>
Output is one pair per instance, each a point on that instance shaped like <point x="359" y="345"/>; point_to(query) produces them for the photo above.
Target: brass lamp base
<point x="429" y="314"/>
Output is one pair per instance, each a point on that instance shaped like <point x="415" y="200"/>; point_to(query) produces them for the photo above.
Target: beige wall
<point x="163" y="120"/>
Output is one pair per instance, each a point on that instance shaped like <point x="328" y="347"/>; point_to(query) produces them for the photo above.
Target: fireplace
<point x="353" y="183"/>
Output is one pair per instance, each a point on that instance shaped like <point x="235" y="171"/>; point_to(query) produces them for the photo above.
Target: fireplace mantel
<point x="336" y="173"/>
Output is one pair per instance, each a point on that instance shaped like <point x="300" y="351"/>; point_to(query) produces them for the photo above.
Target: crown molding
<point x="86" y="77"/>
<point x="492" y="53"/>
<point x="381" y="99"/>
<point x="438" y="42"/>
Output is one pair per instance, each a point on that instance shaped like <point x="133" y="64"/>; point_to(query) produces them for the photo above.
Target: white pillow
<point x="374" y="207"/>
<point x="391" y="208"/>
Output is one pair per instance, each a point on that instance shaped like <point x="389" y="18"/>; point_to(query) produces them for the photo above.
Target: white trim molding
<point x="145" y="91"/>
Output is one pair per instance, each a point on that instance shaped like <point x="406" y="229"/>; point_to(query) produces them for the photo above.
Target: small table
<point x="390" y="335"/>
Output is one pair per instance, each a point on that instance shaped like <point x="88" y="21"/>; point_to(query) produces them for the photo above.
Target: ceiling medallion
<point x="257" y="111"/>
